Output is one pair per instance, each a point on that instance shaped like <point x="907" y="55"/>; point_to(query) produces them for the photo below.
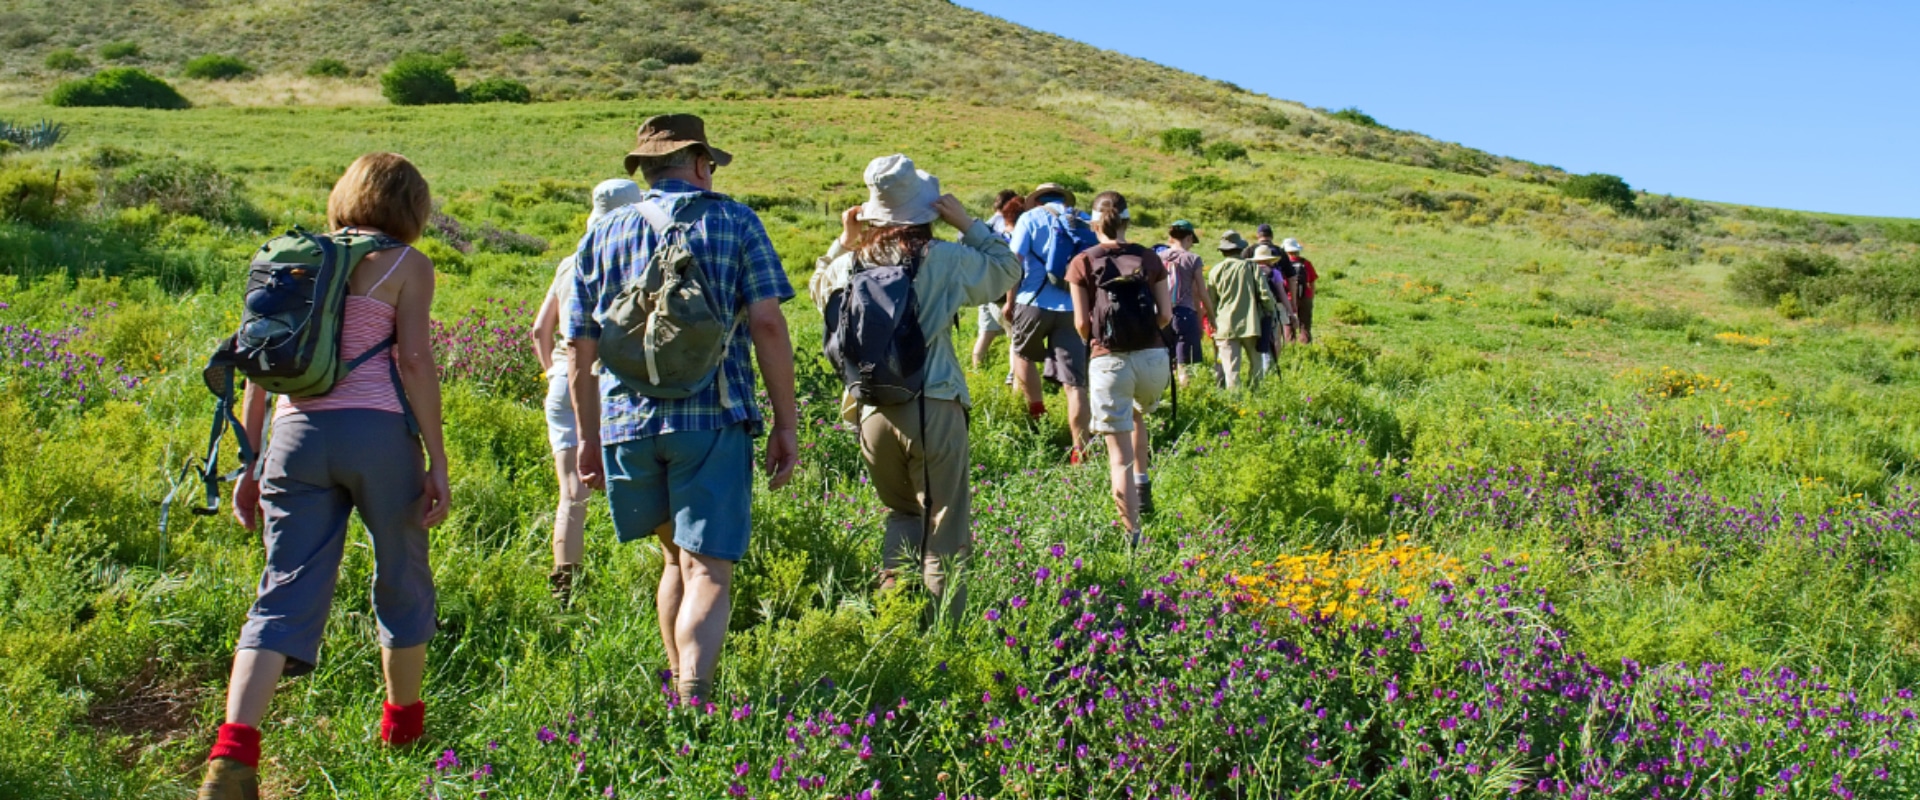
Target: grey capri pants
<point x="319" y="467"/>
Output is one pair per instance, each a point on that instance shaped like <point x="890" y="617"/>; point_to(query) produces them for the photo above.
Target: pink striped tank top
<point x="370" y="386"/>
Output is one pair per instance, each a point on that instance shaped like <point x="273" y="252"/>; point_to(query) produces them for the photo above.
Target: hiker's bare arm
<point x="544" y="325"/>
<point x="246" y="491"/>
<point x="584" y="387"/>
<point x="773" y="349"/>
<point x="420" y="378"/>
<point x="1162" y="303"/>
<point x="1082" y="311"/>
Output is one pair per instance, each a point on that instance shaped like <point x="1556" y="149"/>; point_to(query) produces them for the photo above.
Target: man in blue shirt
<point x="682" y="469"/>
<point x="1047" y="236"/>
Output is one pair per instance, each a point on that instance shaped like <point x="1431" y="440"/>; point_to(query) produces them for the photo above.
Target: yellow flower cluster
<point x="1670" y="383"/>
<point x="1742" y="340"/>
<point x="1346" y="584"/>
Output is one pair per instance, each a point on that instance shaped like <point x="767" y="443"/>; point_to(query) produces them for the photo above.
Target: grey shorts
<point x="1123" y="384"/>
<point x="1043" y="335"/>
<point x="563" y="433"/>
<point x="989" y="320"/>
<point x="320" y="467"/>
<point x="701" y="481"/>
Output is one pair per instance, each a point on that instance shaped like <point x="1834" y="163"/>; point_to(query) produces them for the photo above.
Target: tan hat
<point x="1033" y="200"/>
<point x="1265" y="254"/>
<point x="899" y="193"/>
<point x="1231" y="241"/>
<point x="667" y="134"/>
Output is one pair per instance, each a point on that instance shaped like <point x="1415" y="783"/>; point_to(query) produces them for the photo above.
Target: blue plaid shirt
<point x="732" y="246"/>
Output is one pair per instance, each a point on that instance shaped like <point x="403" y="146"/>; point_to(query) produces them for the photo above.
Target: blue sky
<point x="1811" y="106"/>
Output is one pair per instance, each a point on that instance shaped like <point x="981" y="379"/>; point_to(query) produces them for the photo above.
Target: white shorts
<point x="1125" y="383"/>
<point x="562" y="431"/>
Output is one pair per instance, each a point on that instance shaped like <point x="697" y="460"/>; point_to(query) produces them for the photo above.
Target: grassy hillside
<point x="1563" y="492"/>
<point x="619" y="49"/>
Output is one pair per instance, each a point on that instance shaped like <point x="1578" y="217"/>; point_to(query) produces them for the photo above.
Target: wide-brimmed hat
<point x="667" y="134"/>
<point x="899" y="193"/>
<point x="610" y="195"/>
<point x="1290" y="245"/>
<point x="1265" y="254"/>
<point x="1045" y="189"/>
<point x="1231" y="241"/>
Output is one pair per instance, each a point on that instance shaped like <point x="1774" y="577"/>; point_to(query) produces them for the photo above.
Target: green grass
<point x="1510" y="329"/>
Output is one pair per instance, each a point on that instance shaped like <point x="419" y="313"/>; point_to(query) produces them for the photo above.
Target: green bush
<point x="518" y="40"/>
<point x="34" y="196"/>
<point x="66" y="60"/>
<point x="178" y="187"/>
<point x="1225" y="151"/>
<point x="1073" y="183"/>
<point x="328" y="68"/>
<point x="120" y="51"/>
<point x="1276" y="120"/>
<point x="667" y="52"/>
<point x="1350" y="313"/>
<point x="1182" y="140"/>
<point x="418" y="80"/>
<point x="1781" y="272"/>
<point x="125" y="87"/>
<point x="1608" y="190"/>
<point x="1790" y="307"/>
<point x="217" y="67"/>
<point x="496" y="90"/>
<point x="1357" y="117"/>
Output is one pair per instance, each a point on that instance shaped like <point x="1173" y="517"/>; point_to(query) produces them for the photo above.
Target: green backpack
<point x="666" y="334"/>
<point x="289" y="336"/>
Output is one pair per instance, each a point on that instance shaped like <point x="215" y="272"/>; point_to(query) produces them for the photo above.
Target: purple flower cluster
<point x="54" y="369"/>
<point x="488" y="346"/>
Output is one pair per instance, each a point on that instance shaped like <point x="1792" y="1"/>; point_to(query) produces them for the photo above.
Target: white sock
<point x="1140" y="479"/>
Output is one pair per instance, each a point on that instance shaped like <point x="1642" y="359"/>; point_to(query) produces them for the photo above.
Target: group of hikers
<point x="650" y="336"/>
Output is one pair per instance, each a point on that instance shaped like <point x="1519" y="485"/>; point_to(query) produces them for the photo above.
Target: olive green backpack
<point x="666" y="334"/>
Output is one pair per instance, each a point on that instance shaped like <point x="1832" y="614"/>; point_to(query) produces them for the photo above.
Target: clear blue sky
<point x="1811" y="106"/>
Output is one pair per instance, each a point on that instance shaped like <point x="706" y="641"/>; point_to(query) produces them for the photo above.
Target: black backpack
<point x="1126" y="316"/>
<point x="874" y="338"/>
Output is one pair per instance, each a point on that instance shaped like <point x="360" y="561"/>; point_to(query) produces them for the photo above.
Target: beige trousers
<point x="902" y="461"/>
<point x="1235" y="353"/>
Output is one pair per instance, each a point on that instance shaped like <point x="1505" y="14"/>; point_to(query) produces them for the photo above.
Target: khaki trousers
<point x="1235" y="353"/>
<point x="902" y="461"/>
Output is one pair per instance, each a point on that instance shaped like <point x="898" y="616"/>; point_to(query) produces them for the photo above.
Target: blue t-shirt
<point x="1045" y="241"/>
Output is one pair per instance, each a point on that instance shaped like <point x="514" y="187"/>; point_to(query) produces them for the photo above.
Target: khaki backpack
<point x="667" y="333"/>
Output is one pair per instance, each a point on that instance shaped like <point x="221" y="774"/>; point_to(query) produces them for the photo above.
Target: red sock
<point x="237" y="742"/>
<point x="1037" y="410"/>
<point x="403" y="725"/>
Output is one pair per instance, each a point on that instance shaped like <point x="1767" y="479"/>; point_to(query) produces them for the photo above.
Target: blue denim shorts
<point x="701" y="481"/>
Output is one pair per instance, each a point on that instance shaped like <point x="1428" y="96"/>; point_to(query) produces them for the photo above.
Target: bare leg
<point x="666" y="601"/>
<point x="1120" y="477"/>
<point x="1079" y="415"/>
<point x="702" y="626"/>
<point x="406" y="668"/>
<point x="570" y="516"/>
<point x="256" y="673"/>
<point x="983" y="346"/>
<point x="1142" y="444"/>
<point x="1027" y="375"/>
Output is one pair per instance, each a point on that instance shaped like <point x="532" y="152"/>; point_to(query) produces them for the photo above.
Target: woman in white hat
<point x="554" y="354"/>
<point x="920" y="464"/>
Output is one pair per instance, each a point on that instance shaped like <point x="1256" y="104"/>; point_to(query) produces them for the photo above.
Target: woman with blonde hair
<point x="354" y="449"/>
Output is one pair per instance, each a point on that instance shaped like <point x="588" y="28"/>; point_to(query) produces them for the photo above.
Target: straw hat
<point x="611" y="195"/>
<point x="899" y="193"/>
<point x="1265" y="254"/>
<point x="667" y="134"/>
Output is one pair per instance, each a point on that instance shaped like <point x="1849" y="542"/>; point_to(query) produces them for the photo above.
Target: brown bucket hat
<point x="667" y="134"/>
<point x="1033" y="200"/>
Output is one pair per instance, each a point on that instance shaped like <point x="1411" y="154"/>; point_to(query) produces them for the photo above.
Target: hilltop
<point x="689" y="49"/>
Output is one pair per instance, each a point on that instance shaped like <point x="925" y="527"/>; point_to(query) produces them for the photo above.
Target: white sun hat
<point x="1290" y="245"/>
<point x="611" y="195"/>
<point x="899" y="193"/>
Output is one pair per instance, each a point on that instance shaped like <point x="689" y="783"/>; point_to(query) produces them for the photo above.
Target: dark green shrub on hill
<point x="66" y="60"/>
<point x="328" y="68"/>
<point x="418" y="80"/>
<point x="1357" y="117"/>
<point x="667" y="52"/>
<point x="496" y="90"/>
<point x="1225" y="151"/>
<point x="1276" y="120"/>
<point x="518" y="40"/>
<point x="125" y="87"/>
<point x="1607" y="190"/>
<point x="1182" y="140"/>
<point x="1781" y="272"/>
<point x="180" y="187"/>
<point x="217" y="67"/>
<point x="120" y="51"/>
<point x="35" y="196"/>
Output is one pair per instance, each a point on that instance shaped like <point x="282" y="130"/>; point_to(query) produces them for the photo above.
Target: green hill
<point x="686" y="49"/>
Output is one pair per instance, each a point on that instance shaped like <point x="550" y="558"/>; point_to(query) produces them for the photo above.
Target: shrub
<point x="1781" y="272"/>
<point x="328" y="68"/>
<point x="496" y="90"/>
<point x="651" y="65"/>
<point x="667" y="52"/>
<point x="178" y="186"/>
<point x="66" y="60"/>
<point x="1199" y="185"/>
<point x="1276" y="120"/>
<point x="1790" y="307"/>
<point x="125" y="87"/>
<point x="512" y="242"/>
<point x="1225" y="151"/>
<point x="418" y="80"/>
<point x="1182" y="140"/>
<point x="1073" y="183"/>
<point x="216" y="67"/>
<point x="518" y="40"/>
<point x="1350" y="313"/>
<point x="33" y="196"/>
<point x="1357" y="117"/>
<point x="120" y="51"/>
<point x="1608" y="190"/>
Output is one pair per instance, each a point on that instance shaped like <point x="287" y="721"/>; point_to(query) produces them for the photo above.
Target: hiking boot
<point x="228" y="779"/>
<point x="561" y="579"/>
<point x="1145" y="488"/>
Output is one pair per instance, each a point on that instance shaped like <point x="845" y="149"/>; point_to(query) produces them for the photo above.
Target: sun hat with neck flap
<point x="899" y="193"/>
<point x="1231" y="242"/>
<point x="612" y="195"/>
<point x="667" y="134"/>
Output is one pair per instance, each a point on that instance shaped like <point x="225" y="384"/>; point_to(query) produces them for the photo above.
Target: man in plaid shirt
<point x="682" y="470"/>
